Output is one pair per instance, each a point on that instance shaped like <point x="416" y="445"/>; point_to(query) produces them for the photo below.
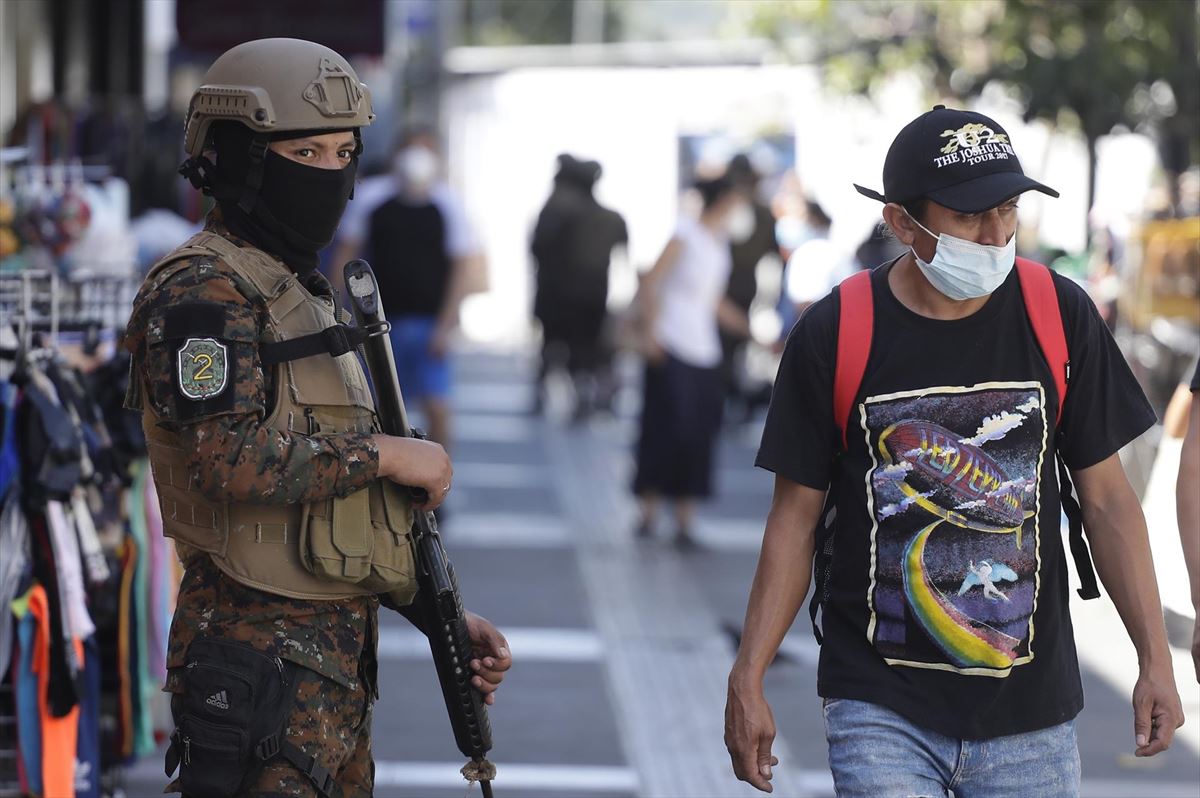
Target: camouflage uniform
<point x="234" y="457"/>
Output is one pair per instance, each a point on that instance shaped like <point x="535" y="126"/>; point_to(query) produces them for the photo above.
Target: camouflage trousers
<point x="330" y="648"/>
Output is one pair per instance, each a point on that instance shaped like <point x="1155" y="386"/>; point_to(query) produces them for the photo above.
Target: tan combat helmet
<point x="275" y="85"/>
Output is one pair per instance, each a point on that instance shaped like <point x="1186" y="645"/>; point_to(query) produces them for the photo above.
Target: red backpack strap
<point x="856" y="324"/>
<point x="1041" y="305"/>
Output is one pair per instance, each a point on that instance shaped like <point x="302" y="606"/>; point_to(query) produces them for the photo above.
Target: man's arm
<point x="1116" y="530"/>
<point x="461" y="269"/>
<point x="1187" y="509"/>
<point x="780" y="584"/>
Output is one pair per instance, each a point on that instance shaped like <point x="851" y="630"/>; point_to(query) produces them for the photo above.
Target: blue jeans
<point x="422" y="375"/>
<point x="876" y="753"/>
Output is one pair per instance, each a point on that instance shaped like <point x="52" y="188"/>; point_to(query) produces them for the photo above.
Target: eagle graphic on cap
<point x="971" y="136"/>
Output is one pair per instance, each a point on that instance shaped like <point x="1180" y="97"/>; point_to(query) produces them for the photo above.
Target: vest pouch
<point x="392" y="564"/>
<point x="337" y="539"/>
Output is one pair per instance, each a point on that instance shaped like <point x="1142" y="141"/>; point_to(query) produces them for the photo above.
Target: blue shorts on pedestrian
<point x="422" y="375"/>
<point x="876" y="753"/>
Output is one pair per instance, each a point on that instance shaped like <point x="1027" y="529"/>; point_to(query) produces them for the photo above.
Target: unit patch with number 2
<point x="203" y="368"/>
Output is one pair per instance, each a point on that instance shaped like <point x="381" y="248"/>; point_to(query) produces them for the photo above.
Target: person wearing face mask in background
<point x="814" y="267"/>
<point x="751" y="239"/>
<point x="413" y="230"/>
<point x="683" y="305"/>
<point x="264" y="446"/>
<point x="942" y="462"/>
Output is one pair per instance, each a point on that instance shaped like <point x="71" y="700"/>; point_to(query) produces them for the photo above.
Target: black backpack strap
<point x="1088" y="588"/>
<point x="822" y="561"/>
<point x="336" y="340"/>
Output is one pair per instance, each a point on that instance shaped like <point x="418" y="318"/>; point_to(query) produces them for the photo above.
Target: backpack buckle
<point x="267" y="747"/>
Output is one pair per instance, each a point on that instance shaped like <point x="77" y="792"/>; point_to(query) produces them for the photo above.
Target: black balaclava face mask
<point x="295" y="212"/>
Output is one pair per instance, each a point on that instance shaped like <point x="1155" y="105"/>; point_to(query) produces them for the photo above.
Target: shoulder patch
<point x="203" y="368"/>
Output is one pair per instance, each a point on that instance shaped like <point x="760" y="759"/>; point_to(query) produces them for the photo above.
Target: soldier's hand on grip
<point x="491" y="656"/>
<point x="416" y="463"/>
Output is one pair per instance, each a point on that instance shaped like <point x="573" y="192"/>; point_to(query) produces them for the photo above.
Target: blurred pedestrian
<point x="423" y="254"/>
<point x="572" y="245"/>
<point x="261" y="432"/>
<point x="751" y="239"/>
<point x="1187" y="506"/>
<point x="683" y="303"/>
<point x="939" y="551"/>
<point x="814" y="268"/>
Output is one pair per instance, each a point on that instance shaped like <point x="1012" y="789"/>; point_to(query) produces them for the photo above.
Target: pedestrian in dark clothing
<point x="751" y="238"/>
<point x="572" y="244"/>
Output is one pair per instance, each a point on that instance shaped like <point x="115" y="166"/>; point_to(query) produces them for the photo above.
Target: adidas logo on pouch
<point x="218" y="700"/>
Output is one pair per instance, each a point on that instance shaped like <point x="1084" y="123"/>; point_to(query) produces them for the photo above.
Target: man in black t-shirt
<point x="422" y="252"/>
<point x="948" y="659"/>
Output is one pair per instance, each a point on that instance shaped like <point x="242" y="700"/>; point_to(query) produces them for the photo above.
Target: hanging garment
<point x="142" y="687"/>
<point x="160" y="587"/>
<point x="64" y="665"/>
<point x="48" y="442"/>
<point x="65" y="542"/>
<point x="89" y="540"/>
<point x="87" y="760"/>
<point x="9" y="463"/>
<point x="125" y="705"/>
<point x="14" y="543"/>
<point x="25" y="691"/>
<point x="59" y="733"/>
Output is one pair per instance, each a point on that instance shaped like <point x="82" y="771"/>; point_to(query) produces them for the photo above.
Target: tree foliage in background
<point x="1103" y="65"/>
<point x="1089" y="65"/>
<point x="526" y="22"/>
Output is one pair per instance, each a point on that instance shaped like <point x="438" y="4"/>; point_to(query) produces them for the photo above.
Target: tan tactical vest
<point x="327" y="549"/>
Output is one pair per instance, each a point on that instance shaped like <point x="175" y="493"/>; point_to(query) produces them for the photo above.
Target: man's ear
<point x="900" y="223"/>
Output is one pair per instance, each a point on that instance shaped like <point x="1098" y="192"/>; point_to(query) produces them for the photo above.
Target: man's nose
<point x="993" y="232"/>
<point x="330" y="160"/>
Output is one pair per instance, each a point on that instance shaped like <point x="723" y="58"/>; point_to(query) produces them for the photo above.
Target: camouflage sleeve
<point x="195" y="342"/>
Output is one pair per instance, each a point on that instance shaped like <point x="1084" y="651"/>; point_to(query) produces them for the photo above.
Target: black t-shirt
<point x="1195" y="386"/>
<point x="406" y="244"/>
<point x="948" y="588"/>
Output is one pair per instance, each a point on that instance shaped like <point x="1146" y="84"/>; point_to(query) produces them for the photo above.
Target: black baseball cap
<point x="959" y="159"/>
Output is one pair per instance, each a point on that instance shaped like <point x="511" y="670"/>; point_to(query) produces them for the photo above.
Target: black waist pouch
<point x="230" y="718"/>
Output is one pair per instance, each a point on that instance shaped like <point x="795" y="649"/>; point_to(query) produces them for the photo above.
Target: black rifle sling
<point x="823" y="560"/>
<point x="336" y="340"/>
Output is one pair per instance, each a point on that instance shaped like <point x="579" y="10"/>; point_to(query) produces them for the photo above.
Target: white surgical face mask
<point x="416" y="167"/>
<point x="740" y="222"/>
<point x="962" y="269"/>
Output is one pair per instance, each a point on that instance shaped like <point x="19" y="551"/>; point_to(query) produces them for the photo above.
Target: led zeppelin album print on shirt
<point x="954" y="498"/>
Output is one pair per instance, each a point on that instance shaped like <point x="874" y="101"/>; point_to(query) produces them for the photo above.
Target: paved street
<point x="623" y="646"/>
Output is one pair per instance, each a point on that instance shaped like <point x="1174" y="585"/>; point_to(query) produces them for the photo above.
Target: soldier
<point x="281" y="496"/>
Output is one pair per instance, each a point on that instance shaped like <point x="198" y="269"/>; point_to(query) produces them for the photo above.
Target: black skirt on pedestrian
<point x="681" y="416"/>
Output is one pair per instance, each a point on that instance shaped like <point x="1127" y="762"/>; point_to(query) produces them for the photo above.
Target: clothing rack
<point x="51" y="327"/>
<point x="39" y="301"/>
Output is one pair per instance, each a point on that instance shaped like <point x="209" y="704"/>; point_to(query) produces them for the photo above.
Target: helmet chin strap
<point x="254" y="176"/>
